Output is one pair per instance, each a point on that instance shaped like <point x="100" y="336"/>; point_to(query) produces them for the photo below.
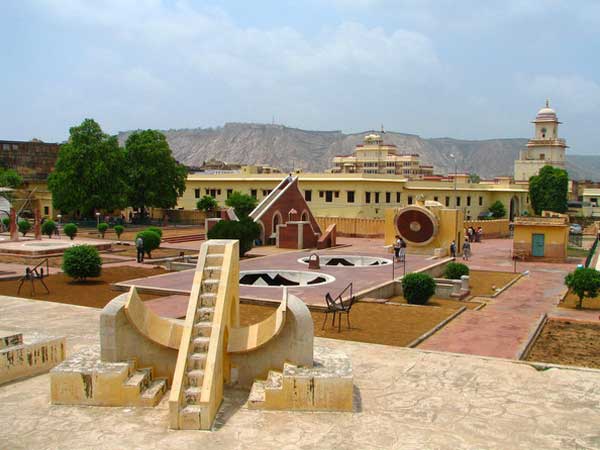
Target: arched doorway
<point x="304" y="216"/>
<point x="276" y="221"/>
<point x="514" y="208"/>
<point x="262" y="232"/>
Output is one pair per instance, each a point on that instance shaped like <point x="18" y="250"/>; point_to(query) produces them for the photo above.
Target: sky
<point x="468" y="69"/>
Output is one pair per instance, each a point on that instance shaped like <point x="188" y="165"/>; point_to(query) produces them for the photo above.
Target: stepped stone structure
<point x="143" y="354"/>
<point x="32" y="354"/>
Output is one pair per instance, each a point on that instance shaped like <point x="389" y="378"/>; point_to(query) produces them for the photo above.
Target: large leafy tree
<point x="154" y="177"/>
<point x="584" y="282"/>
<point x="243" y="204"/>
<point x="548" y="190"/>
<point x="88" y="174"/>
<point x="497" y="209"/>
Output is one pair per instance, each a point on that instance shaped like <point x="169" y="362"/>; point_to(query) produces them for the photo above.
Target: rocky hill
<point x="285" y="147"/>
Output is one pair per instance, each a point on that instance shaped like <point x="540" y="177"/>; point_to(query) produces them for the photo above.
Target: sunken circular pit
<point x="349" y="261"/>
<point x="279" y="278"/>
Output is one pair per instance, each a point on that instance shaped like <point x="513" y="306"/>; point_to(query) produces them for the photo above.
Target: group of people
<point x="471" y="235"/>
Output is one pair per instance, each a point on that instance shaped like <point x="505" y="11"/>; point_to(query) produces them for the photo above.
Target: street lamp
<point x="457" y="234"/>
<point x="97" y="219"/>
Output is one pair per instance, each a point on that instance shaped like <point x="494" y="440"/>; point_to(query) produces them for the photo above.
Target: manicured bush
<point x="102" y="227"/>
<point x="157" y="230"/>
<point x="418" y="288"/>
<point x="48" y="228"/>
<point x="119" y="230"/>
<point x="6" y="222"/>
<point x="245" y="230"/>
<point x="151" y="241"/>
<point x="497" y="209"/>
<point x="24" y="226"/>
<point x="81" y="262"/>
<point x="70" y="229"/>
<point x="584" y="282"/>
<point x="455" y="270"/>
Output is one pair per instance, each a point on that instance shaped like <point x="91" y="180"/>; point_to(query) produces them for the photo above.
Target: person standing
<point x="139" y="245"/>
<point x="397" y="246"/>
<point x="479" y="234"/>
<point x="466" y="250"/>
<point x="453" y="249"/>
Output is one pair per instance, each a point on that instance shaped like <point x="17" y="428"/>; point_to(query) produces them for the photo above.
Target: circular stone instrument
<point x="416" y="225"/>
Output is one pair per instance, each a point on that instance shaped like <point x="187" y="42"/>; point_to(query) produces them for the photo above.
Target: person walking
<point x="453" y="249"/>
<point x="397" y="246"/>
<point x="139" y="245"/>
<point x="466" y="250"/>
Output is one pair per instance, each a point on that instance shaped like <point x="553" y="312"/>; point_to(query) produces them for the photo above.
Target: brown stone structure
<point x="37" y="227"/>
<point x="33" y="160"/>
<point x="12" y="227"/>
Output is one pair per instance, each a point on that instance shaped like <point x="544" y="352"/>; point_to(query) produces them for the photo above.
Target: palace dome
<point x="546" y="114"/>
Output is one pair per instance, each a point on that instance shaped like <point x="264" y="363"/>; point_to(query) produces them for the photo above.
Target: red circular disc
<point x="415" y="226"/>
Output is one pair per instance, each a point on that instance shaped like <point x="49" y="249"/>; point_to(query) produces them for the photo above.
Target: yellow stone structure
<point x="376" y="157"/>
<point x="427" y="228"/>
<point x="142" y="354"/>
<point x="544" y="149"/>
<point x="541" y="238"/>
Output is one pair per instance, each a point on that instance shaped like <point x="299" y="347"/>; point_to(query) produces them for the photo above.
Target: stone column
<point x="14" y="232"/>
<point x="37" y="228"/>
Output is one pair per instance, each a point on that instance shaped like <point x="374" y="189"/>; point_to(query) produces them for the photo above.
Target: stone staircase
<point x="32" y="354"/>
<point x="327" y="386"/>
<point x="197" y="383"/>
<point x="86" y="380"/>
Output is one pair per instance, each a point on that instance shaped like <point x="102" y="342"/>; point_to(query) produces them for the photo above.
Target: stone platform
<point x="403" y="398"/>
<point x="46" y="247"/>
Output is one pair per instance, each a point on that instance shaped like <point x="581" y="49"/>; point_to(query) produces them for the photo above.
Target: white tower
<point x="545" y="149"/>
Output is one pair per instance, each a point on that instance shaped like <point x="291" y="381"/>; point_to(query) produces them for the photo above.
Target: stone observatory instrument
<point x="416" y="225"/>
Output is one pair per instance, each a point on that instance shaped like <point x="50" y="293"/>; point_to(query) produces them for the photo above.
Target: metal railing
<point x="592" y="251"/>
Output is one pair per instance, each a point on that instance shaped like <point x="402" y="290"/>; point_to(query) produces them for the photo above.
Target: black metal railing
<point x="591" y="252"/>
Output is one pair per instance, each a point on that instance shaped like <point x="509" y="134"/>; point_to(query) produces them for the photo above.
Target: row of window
<point x="8" y="146"/>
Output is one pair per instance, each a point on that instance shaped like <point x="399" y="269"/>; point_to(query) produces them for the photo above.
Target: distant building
<point x="545" y="149"/>
<point x="375" y="157"/>
<point x="214" y="166"/>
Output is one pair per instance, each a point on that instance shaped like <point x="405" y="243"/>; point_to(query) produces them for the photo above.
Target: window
<point x="46" y="210"/>
<point x="266" y="192"/>
<point x="397" y="197"/>
<point x="350" y="196"/>
<point x="457" y="201"/>
<point x="308" y="195"/>
<point x="367" y="197"/>
<point x="207" y="191"/>
<point x="253" y="193"/>
<point x="321" y="194"/>
<point x="15" y="147"/>
<point x="447" y="201"/>
<point x="410" y="200"/>
<point x="328" y="196"/>
<point x="542" y="156"/>
<point x="336" y="194"/>
<point x="229" y="192"/>
<point x="468" y="200"/>
<point x="388" y="197"/>
<point x="376" y="197"/>
<point x="197" y="193"/>
<point x="5" y="146"/>
<point x="435" y="199"/>
<point x="480" y="200"/>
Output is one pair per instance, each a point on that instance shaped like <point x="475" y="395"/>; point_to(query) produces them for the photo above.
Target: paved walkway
<point x="502" y="328"/>
<point x="404" y="399"/>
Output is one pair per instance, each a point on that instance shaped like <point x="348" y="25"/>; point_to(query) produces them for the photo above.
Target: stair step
<point x="205" y="314"/>
<point x="203" y="328"/>
<point x="257" y="393"/>
<point x="195" y="377"/>
<point x="152" y="395"/>
<point x="197" y="360"/>
<point x="210" y="286"/>
<point x="208" y="299"/>
<point x="140" y="379"/>
<point x="192" y="395"/>
<point x="274" y="380"/>
<point x="215" y="259"/>
<point x="10" y="339"/>
<point x="201" y="344"/>
<point x="189" y="417"/>
<point x="216" y="249"/>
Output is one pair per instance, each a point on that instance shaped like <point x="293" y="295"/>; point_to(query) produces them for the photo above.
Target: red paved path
<point x="501" y="328"/>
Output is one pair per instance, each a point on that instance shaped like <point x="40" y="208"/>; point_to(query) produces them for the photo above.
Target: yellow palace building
<point x="365" y="195"/>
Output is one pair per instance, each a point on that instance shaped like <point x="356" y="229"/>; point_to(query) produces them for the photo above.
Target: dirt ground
<point x="129" y="235"/>
<point x="95" y="293"/>
<point x="440" y="302"/>
<point x="387" y="324"/>
<point x="569" y="343"/>
<point x="131" y="251"/>
<point x="483" y="281"/>
<point x="571" y="301"/>
<point x="53" y="261"/>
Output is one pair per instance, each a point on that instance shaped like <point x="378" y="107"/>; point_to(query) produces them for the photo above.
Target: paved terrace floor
<point x="361" y="277"/>
<point x="503" y="327"/>
<point x="405" y="399"/>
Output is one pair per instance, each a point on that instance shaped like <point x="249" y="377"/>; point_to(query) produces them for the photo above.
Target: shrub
<point x="48" y="228"/>
<point x="24" y="226"/>
<point x="245" y="230"/>
<point x="207" y="204"/>
<point x="497" y="209"/>
<point x="70" y="229"/>
<point x="242" y="203"/>
<point x="6" y="221"/>
<point x="151" y="241"/>
<point x="81" y="262"/>
<point x="157" y="230"/>
<point x="455" y="270"/>
<point x="119" y="230"/>
<point x="102" y="227"/>
<point x="584" y="282"/>
<point x="418" y="288"/>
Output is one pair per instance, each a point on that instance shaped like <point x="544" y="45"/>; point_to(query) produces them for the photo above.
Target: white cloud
<point x="572" y="92"/>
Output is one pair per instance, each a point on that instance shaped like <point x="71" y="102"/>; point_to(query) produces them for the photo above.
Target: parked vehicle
<point x="575" y="229"/>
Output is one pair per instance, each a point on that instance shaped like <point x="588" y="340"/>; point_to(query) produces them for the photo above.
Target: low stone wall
<point x="354" y="227"/>
<point x="498" y="228"/>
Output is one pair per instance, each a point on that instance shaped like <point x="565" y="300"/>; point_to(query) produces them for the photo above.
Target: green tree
<point x="81" y="262"/>
<point x="418" y="288"/>
<point x="454" y="270"/>
<point x="24" y="226"/>
<point x="243" y="204"/>
<point x="474" y="178"/>
<point x="498" y="209"/>
<point x="10" y="178"/>
<point x="88" y="174"/>
<point x="102" y="227"/>
<point x="548" y="190"/>
<point x="207" y="204"/>
<point x="151" y="241"/>
<point x="154" y="177"/>
<point x="119" y="230"/>
<point x="157" y="230"/>
<point x="584" y="282"/>
<point x="48" y="228"/>
<point x="245" y="230"/>
<point x="70" y="229"/>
